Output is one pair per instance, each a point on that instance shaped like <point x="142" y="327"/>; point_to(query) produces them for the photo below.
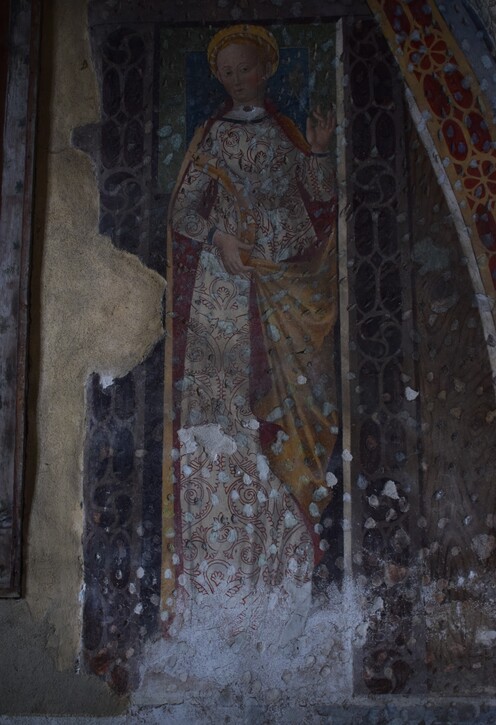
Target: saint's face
<point x="242" y="72"/>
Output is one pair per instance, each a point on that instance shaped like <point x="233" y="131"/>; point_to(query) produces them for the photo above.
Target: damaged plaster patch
<point x="331" y="479"/>
<point x="273" y="649"/>
<point x="411" y="394"/>
<point x="263" y="467"/>
<point x="484" y="545"/>
<point x="390" y="490"/>
<point x="486" y="637"/>
<point x="430" y="257"/>
<point x="106" y="381"/>
<point x="96" y="309"/>
<point x="210" y="437"/>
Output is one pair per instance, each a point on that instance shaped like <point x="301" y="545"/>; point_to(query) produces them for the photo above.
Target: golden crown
<point x="253" y="34"/>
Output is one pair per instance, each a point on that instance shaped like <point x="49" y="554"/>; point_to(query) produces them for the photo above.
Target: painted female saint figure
<point x="252" y="290"/>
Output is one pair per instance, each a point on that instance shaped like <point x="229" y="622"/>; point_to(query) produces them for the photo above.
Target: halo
<point x="253" y="34"/>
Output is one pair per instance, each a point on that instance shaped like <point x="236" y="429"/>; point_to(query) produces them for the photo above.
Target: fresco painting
<point x="253" y="302"/>
<point x="272" y="481"/>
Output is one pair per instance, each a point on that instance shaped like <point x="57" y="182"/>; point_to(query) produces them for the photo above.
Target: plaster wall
<point x="94" y="309"/>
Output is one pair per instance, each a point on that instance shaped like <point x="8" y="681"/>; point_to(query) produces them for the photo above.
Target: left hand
<point x="320" y="128"/>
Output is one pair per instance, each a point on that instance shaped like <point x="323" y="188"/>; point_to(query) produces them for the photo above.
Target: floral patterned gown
<point x="241" y="527"/>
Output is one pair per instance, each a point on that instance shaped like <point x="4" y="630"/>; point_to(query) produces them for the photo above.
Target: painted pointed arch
<point x="455" y="122"/>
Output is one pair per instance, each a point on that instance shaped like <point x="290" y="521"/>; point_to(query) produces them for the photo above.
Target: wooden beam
<point x="15" y="252"/>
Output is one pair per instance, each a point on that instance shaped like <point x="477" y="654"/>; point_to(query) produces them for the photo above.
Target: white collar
<point x="246" y="113"/>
